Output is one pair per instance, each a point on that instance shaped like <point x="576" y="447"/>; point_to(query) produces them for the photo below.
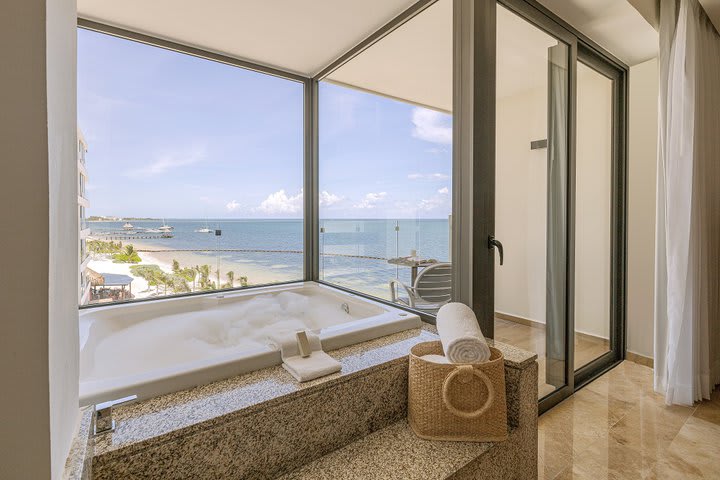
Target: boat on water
<point x="153" y="230"/>
<point x="128" y="226"/>
<point x="205" y="229"/>
<point x="165" y="227"/>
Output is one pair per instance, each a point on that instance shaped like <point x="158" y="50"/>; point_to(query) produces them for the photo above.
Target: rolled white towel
<point x="435" y="358"/>
<point x="460" y="334"/>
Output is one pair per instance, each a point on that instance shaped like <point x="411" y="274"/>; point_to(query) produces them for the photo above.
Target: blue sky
<point x="174" y="136"/>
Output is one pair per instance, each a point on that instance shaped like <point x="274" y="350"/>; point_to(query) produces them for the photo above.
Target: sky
<point x="174" y="136"/>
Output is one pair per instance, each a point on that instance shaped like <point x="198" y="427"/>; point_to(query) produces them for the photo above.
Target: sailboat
<point x="128" y="226"/>
<point x="205" y="229"/>
<point x="165" y="227"/>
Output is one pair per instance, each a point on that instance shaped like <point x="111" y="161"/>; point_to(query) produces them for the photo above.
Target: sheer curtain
<point x="687" y="277"/>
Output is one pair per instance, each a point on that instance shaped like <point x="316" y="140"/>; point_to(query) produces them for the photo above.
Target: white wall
<point x="521" y="204"/>
<point x="38" y="328"/>
<point x="63" y="273"/>
<point x="642" y="170"/>
<point x="593" y="207"/>
<point x="521" y="216"/>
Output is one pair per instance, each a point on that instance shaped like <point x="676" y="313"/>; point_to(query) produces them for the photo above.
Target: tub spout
<point x="103" y="414"/>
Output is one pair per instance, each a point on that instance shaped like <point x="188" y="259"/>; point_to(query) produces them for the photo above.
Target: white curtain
<point x="687" y="277"/>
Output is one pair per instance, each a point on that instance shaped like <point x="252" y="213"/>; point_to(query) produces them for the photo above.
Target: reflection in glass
<point x="593" y="214"/>
<point x="531" y="193"/>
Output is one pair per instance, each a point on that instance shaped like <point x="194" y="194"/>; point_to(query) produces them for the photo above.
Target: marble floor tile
<point x="618" y="428"/>
<point x="532" y="338"/>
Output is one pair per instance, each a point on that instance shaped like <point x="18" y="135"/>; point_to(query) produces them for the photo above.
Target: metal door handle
<point x="494" y="243"/>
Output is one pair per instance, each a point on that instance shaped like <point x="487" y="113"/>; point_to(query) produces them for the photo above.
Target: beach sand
<point x="257" y="275"/>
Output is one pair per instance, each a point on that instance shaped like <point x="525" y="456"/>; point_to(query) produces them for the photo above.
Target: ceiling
<point x="615" y="25"/>
<point x="413" y="62"/>
<point x="712" y="7"/>
<point x="297" y="36"/>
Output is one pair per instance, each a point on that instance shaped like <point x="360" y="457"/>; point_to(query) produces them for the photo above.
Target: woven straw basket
<point x="454" y="401"/>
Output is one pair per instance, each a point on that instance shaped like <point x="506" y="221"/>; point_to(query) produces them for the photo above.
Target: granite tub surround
<point x="396" y="453"/>
<point x="264" y="424"/>
<point x="78" y="465"/>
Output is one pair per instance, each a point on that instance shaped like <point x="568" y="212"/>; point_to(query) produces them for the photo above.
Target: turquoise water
<point x="380" y="239"/>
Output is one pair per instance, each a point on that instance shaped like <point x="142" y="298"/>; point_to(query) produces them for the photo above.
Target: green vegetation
<point x="100" y="247"/>
<point x="183" y="279"/>
<point x="129" y="255"/>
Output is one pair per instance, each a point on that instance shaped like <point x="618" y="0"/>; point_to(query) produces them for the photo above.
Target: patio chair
<point x="432" y="289"/>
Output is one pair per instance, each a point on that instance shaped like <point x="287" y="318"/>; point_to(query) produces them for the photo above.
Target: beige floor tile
<point x="618" y="428"/>
<point x="709" y="411"/>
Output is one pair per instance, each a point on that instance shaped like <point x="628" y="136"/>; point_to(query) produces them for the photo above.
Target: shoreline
<point x="256" y="274"/>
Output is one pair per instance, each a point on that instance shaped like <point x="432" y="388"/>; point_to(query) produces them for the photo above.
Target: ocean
<point x="354" y="253"/>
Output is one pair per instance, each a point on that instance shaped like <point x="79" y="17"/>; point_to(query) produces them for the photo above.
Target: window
<point x="385" y="166"/>
<point x="194" y="171"/>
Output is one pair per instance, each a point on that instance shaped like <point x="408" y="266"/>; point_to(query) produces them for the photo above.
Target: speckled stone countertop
<point x="155" y="421"/>
<point x="78" y="465"/>
<point x="393" y="452"/>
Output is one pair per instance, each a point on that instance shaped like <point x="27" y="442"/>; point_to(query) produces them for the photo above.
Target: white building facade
<point x="84" y="230"/>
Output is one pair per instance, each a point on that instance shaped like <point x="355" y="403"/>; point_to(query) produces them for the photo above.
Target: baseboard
<point x="521" y="320"/>
<point x="630" y="356"/>
<point x="639" y="359"/>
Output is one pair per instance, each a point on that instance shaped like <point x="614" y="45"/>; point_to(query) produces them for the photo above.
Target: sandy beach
<point x="256" y="274"/>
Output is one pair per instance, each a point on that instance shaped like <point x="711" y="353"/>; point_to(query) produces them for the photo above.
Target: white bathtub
<point x="151" y="348"/>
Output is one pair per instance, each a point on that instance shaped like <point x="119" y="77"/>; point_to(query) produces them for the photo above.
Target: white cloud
<point x="169" y="161"/>
<point x="327" y="199"/>
<point x="370" y="200"/>
<point x="280" y="203"/>
<point x="440" y="199"/>
<point x="431" y="126"/>
<point x="232" y="206"/>
<point x="428" y="176"/>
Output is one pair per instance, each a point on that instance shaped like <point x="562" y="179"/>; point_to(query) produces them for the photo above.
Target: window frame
<point x="307" y="122"/>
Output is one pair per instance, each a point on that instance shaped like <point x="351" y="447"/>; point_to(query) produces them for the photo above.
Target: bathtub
<point x="161" y="346"/>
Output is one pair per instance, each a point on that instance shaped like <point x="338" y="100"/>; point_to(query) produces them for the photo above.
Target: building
<point x="83" y="229"/>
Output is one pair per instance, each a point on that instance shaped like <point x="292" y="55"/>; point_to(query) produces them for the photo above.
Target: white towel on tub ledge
<point x="460" y="334"/>
<point x="317" y="365"/>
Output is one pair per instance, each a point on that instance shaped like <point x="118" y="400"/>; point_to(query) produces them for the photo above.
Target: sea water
<point x="354" y="253"/>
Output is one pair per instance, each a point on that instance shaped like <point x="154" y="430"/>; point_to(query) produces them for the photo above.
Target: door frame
<point x="618" y="217"/>
<point x="481" y="130"/>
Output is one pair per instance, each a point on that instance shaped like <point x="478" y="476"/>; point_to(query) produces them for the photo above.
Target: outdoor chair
<point x="432" y="289"/>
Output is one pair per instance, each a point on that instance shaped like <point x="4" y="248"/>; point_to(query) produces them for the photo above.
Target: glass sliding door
<point x="531" y="193"/>
<point x="599" y="215"/>
<point x="559" y="198"/>
<point x="593" y="176"/>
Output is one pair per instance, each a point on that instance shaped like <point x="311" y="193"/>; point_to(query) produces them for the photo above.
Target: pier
<point x="242" y="250"/>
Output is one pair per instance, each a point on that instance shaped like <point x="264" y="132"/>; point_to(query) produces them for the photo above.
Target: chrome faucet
<point x="104" y="422"/>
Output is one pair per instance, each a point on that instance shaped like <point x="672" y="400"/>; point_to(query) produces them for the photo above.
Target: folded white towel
<point x="460" y="334"/>
<point x="435" y="358"/>
<point x="316" y="365"/>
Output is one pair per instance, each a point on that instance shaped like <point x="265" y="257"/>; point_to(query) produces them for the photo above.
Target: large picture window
<point x="193" y="173"/>
<point x="385" y="166"/>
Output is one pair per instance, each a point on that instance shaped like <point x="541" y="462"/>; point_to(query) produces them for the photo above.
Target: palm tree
<point x="129" y="250"/>
<point x="231" y="278"/>
<point x="175" y="266"/>
<point x="204" y="271"/>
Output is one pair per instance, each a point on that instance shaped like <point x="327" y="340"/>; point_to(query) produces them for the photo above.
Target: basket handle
<point x="467" y="369"/>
